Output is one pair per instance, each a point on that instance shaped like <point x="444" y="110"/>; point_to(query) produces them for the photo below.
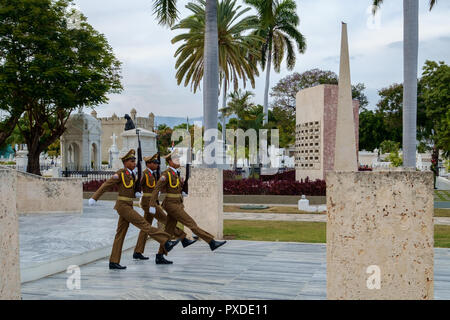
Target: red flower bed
<point x="287" y="175"/>
<point x="253" y="186"/>
<point x="275" y="187"/>
<point x="95" y="184"/>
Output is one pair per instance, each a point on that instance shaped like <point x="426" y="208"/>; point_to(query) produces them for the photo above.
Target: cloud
<point x="145" y="49"/>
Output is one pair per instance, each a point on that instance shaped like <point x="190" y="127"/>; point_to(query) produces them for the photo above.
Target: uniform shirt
<point x="148" y="181"/>
<point x="168" y="183"/>
<point x="125" y="182"/>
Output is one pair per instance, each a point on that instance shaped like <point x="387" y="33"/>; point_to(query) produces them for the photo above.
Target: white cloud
<point x="376" y="54"/>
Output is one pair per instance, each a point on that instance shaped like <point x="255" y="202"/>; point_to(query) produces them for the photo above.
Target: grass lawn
<point x="314" y="232"/>
<point x="271" y="209"/>
<point x="441" y="195"/>
<point x="294" y="210"/>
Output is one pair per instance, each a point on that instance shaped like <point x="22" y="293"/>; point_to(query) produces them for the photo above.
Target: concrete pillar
<point x="205" y="201"/>
<point x="345" y="153"/>
<point x="380" y="235"/>
<point x="9" y="237"/>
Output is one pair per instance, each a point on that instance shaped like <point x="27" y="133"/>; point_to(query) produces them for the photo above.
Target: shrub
<point x="275" y="187"/>
<point x="95" y="184"/>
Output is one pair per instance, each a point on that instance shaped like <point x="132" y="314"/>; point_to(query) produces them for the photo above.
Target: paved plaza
<point x="238" y="270"/>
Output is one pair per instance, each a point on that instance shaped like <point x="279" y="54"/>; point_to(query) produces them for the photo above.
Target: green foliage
<point x="235" y="47"/>
<point x="54" y="149"/>
<point x="436" y="96"/>
<point x="395" y="159"/>
<point x="49" y="67"/>
<point x="371" y="130"/>
<point x="285" y="91"/>
<point x="388" y="146"/>
<point x="278" y="22"/>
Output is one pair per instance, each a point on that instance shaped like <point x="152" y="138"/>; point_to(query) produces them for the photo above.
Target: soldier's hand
<point x="184" y="194"/>
<point x="92" y="202"/>
<point x="152" y="210"/>
<point x="138" y="194"/>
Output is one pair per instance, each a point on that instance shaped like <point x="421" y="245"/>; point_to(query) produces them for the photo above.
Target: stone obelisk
<point x="345" y="148"/>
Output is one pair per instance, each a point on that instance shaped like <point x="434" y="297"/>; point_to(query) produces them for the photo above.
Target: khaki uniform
<point x="148" y="183"/>
<point x="170" y="184"/>
<point x="124" y="207"/>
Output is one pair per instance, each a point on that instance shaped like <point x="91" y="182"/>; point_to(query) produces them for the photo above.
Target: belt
<point x="124" y="198"/>
<point x="147" y="194"/>
<point x="172" y="195"/>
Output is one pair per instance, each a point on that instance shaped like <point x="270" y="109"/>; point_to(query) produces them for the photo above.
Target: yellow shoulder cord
<point x="170" y="181"/>
<point x="124" y="184"/>
<point x="148" y="184"/>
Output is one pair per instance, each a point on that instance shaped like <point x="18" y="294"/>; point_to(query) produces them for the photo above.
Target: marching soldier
<point x="148" y="183"/>
<point x="125" y="179"/>
<point x="169" y="183"/>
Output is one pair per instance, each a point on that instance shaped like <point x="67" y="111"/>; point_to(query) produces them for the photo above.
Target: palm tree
<point x="167" y="13"/>
<point x="278" y="26"/>
<point x="410" y="53"/>
<point x="234" y="45"/>
<point x="238" y="105"/>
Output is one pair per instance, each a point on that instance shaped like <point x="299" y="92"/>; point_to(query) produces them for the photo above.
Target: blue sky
<point x="148" y="70"/>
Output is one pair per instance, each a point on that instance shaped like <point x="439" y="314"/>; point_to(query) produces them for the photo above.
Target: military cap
<point x="153" y="158"/>
<point x="130" y="155"/>
<point x="173" y="155"/>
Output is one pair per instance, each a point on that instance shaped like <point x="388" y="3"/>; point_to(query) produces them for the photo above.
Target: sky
<point x="375" y="45"/>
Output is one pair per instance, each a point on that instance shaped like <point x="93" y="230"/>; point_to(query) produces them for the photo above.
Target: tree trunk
<point x="211" y="71"/>
<point x="33" y="165"/>
<point x="6" y="130"/>
<point x="224" y="104"/>
<point x="266" y="89"/>
<point x="410" y="52"/>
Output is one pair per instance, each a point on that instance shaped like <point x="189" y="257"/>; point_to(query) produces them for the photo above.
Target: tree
<point x="372" y="130"/>
<point x="234" y="45"/>
<point x="389" y="146"/>
<point x="59" y="67"/>
<point x="436" y="96"/>
<point x="286" y="89"/>
<point x="410" y="57"/>
<point x="278" y="26"/>
<point x="167" y="14"/>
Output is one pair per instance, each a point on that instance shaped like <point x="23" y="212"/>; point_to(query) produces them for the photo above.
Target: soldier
<point x="169" y="183"/>
<point x="125" y="179"/>
<point x="148" y="183"/>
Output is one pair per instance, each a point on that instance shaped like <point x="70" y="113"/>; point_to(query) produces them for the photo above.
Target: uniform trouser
<point x="175" y="213"/>
<point x="128" y="215"/>
<point x="161" y="217"/>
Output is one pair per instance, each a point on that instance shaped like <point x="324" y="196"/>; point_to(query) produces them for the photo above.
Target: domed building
<point x="81" y="142"/>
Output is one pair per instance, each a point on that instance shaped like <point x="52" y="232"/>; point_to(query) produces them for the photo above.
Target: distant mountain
<point x="174" y="121"/>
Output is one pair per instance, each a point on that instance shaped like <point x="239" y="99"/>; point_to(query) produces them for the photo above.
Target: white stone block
<point x="384" y="220"/>
<point x="9" y="237"/>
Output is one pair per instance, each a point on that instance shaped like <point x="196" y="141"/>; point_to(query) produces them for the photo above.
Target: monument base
<point x="380" y="235"/>
<point x="9" y="238"/>
<point x="205" y="201"/>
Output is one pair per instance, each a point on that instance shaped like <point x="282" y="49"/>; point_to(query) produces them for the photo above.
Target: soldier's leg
<point x="162" y="217"/>
<point x="122" y="227"/>
<point x="171" y="224"/>
<point x="133" y="217"/>
<point x="142" y="238"/>
<point x="176" y="210"/>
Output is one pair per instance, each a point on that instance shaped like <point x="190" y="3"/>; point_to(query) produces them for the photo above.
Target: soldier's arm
<point x="106" y="186"/>
<point x="162" y="182"/>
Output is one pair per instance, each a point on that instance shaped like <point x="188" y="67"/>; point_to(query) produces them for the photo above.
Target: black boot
<point x="213" y="244"/>
<point x="113" y="265"/>
<point x="161" y="260"/>
<point x="186" y="242"/>
<point x="170" y="244"/>
<point x="139" y="256"/>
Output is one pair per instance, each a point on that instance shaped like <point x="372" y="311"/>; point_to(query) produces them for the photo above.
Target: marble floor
<point x="238" y="270"/>
<point x="47" y="239"/>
